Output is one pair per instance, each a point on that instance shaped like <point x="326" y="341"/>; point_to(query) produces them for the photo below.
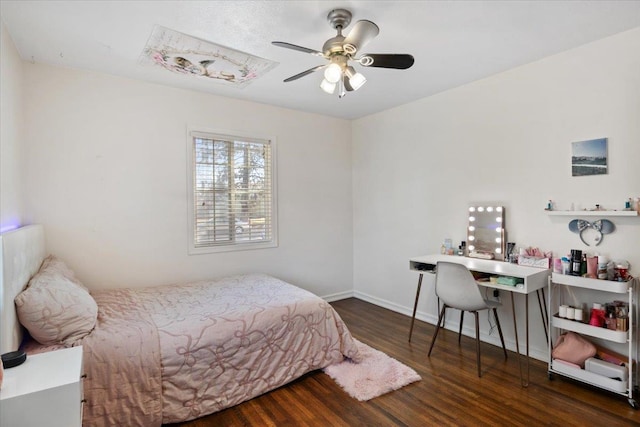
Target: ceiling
<point x="453" y="42"/>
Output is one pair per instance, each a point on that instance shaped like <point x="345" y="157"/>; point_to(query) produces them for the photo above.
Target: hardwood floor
<point x="450" y="393"/>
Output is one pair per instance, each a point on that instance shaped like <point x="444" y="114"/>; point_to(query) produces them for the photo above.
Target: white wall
<point x="107" y="178"/>
<point x="11" y="122"/>
<point x="101" y="162"/>
<point x="505" y="139"/>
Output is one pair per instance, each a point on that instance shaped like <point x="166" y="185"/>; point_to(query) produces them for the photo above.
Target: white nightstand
<point x="46" y="390"/>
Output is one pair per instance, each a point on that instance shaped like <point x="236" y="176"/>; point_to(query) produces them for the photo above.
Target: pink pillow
<point x="573" y="348"/>
<point x="55" y="307"/>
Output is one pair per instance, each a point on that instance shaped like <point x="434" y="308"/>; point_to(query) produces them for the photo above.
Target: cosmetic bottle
<point x="622" y="322"/>
<point x="577" y="315"/>
<point x="611" y="322"/>
<point x="576" y="260"/>
<point x="592" y="267"/>
<point x="583" y="265"/>
<point x="462" y="248"/>
<point x="597" y="315"/>
<point x="602" y="267"/>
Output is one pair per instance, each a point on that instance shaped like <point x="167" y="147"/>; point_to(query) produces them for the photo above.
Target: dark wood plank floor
<point x="450" y="393"/>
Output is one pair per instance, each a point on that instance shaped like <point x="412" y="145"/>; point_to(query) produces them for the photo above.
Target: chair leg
<point x="504" y="348"/>
<point x="478" y="343"/>
<point x="460" y="330"/>
<point x="435" y="334"/>
<point x="441" y="322"/>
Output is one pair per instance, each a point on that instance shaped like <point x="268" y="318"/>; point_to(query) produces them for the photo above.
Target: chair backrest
<point x="457" y="288"/>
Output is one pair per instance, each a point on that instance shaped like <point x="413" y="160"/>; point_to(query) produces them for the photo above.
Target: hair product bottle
<point x="576" y="261"/>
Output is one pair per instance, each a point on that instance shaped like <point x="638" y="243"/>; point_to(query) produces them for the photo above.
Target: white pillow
<point x="55" y="307"/>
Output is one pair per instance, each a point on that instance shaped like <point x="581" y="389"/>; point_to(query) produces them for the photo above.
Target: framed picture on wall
<point x="589" y="157"/>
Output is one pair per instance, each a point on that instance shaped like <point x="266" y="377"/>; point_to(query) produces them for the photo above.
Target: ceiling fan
<point x="339" y="50"/>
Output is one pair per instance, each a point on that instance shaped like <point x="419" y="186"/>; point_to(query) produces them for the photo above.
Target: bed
<point x="166" y="354"/>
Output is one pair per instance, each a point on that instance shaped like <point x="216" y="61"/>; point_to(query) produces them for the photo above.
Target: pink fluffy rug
<point x="376" y="375"/>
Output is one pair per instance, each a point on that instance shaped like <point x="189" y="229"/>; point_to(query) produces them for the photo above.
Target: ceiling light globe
<point x="327" y="86"/>
<point x="357" y="80"/>
<point x="333" y="73"/>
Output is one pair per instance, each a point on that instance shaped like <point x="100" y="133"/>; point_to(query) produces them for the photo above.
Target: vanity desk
<point x="534" y="280"/>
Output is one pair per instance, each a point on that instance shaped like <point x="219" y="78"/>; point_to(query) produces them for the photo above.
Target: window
<point x="232" y="192"/>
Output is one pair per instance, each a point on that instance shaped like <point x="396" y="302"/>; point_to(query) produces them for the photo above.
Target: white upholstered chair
<point x="456" y="288"/>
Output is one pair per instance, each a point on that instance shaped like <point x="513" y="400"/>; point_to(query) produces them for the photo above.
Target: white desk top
<point x="534" y="278"/>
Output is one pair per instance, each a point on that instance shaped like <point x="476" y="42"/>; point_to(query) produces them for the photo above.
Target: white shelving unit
<point x="593" y="213"/>
<point x="616" y="291"/>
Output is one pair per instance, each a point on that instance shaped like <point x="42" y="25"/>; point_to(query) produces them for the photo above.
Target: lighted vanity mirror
<point x="485" y="233"/>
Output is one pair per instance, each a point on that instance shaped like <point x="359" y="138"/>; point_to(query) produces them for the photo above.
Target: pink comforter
<point x="174" y="353"/>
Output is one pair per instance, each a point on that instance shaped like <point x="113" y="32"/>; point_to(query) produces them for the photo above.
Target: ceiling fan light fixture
<point x="327" y="86"/>
<point x="366" y="61"/>
<point x="349" y="48"/>
<point x="356" y="80"/>
<point x="339" y="50"/>
<point x="341" y="89"/>
<point x="333" y="73"/>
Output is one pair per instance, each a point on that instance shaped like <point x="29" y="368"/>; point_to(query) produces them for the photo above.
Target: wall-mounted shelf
<point x="593" y="213"/>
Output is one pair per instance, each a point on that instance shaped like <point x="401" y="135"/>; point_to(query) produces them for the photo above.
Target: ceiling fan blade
<point x="398" y="61"/>
<point x="304" y="73"/>
<point x="362" y="33"/>
<point x="298" y="48"/>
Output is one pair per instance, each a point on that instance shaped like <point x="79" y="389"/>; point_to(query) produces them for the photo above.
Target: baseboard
<point x="425" y="317"/>
<point x="453" y="325"/>
<point x="338" y="296"/>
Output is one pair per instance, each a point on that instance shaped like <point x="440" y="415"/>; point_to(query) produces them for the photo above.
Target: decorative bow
<point x="601" y="226"/>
